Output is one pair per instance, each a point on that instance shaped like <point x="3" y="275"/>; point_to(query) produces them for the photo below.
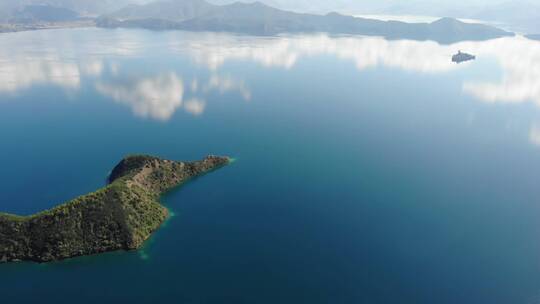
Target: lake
<point x="367" y="170"/>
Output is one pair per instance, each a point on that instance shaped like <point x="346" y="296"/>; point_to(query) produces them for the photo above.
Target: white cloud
<point x="156" y="98"/>
<point x="93" y="68"/>
<point x="21" y="66"/>
<point x="225" y="84"/>
<point x="195" y="106"/>
<point x="54" y="57"/>
<point x="518" y="57"/>
<point x="534" y="135"/>
<point x="20" y="74"/>
<point x="194" y="85"/>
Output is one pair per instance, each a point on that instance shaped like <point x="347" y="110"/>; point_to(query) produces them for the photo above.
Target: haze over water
<point x="368" y="170"/>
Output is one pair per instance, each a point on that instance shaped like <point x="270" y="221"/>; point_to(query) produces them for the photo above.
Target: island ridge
<point x="120" y="216"/>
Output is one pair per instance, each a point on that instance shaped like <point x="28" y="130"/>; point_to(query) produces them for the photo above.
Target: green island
<point x="120" y="216"/>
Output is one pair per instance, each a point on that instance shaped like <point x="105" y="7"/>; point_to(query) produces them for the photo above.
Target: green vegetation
<point x="120" y="216"/>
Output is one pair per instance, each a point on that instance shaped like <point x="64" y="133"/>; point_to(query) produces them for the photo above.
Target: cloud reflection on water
<point x="20" y="74"/>
<point x="195" y="106"/>
<point x="534" y="135"/>
<point x="157" y="97"/>
<point x="227" y="84"/>
<point x="62" y="59"/>
<point x="520" y="63"/>
<point x="518" y="57"/>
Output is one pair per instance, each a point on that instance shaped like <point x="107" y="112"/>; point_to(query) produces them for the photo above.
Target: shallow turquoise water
<point x="368" y="171"/>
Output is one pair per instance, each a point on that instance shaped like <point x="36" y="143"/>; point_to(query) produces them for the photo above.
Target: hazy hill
<point x="522" y="15"/>
<point x="260" y="19"/>
<point x="82" y="7"/>
<point x="43" y="13"/>
<point x="178" y="10"/>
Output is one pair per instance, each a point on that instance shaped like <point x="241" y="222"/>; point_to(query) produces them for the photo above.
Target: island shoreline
<point x="120" y="216"/>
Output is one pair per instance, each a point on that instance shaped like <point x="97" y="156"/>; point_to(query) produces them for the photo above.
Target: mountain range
<point x="260" y="19"/>
<point x="254" y="18"/>
<point x="93" y="8"/>
<point x="518" y="15"/>
<point x="43" y="13"/>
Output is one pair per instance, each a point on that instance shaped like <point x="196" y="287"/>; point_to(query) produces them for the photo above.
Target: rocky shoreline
<point x="120" y="216"/>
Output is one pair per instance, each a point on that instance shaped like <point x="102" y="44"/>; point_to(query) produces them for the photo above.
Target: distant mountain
<point x="179" y="10"/>
<point x="519" y="15"/>
<point x="533" y="37"/>
<point x="260" y="19"/>
<point x="43" y="13"/>
<point x="82" y="7"/>
<point x="318" y="6"/>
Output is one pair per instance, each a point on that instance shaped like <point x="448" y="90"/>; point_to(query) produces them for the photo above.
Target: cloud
<point x="195" y="106"/>
<point x="156" y="98"/>
<point x="215" y="50"/>
<point x="55" y="57"/>
<point x="225" y="84"/>
<point x="195" y="85"/>
<point x="518" y="57"/>
<point x="161" y="96"/>
<point x="63" y="63"/>
<point x="20" y="74"/>
<point x="93" y="68"/>
<point x="534" y="135"/>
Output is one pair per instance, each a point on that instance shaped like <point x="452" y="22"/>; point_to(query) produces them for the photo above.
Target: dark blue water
<point x="367" y="171"/>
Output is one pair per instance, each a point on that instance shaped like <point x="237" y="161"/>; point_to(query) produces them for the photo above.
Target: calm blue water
<point x="369" y="171"/>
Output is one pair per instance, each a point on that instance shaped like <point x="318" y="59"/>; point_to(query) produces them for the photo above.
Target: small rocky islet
<point x="120" y="216"/>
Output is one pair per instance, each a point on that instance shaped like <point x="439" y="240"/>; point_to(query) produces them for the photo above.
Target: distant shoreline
<point x="429" y="19"/>
<point x="14" y="28"/>
<point x="412" y="18"/>
<point x="17" y="28"/>
<point x="91" y="22"/>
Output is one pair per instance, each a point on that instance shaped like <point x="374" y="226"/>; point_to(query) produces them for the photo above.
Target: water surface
<point x="369" y="171"/>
